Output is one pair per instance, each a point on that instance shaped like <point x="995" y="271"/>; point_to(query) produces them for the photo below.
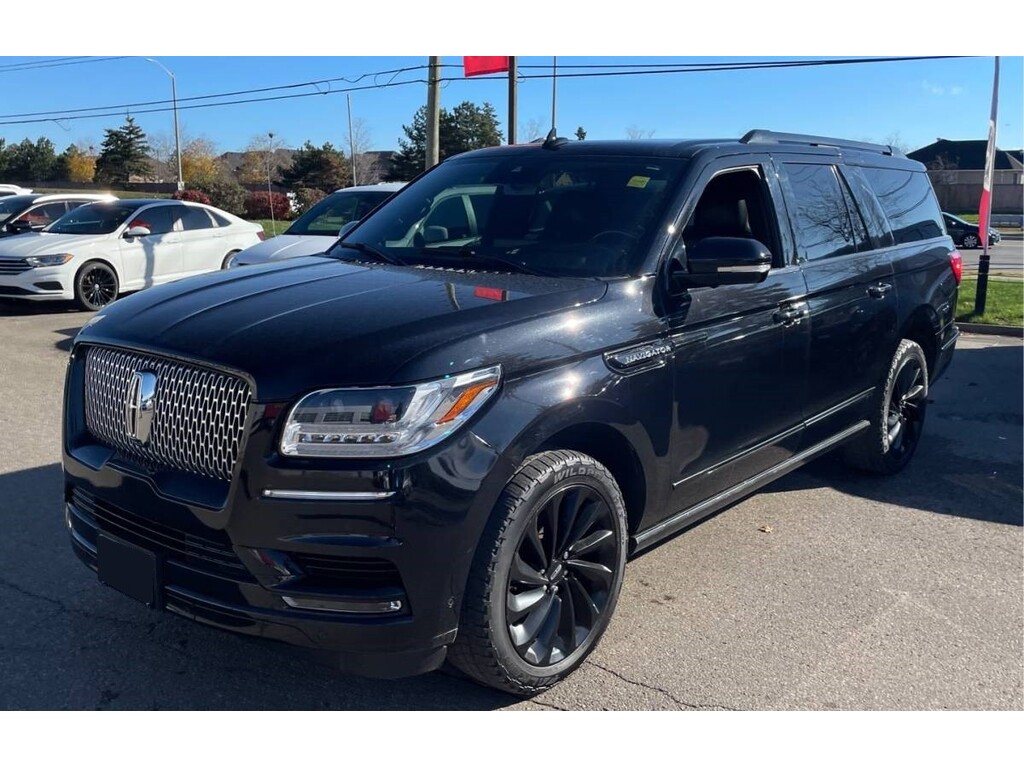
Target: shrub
<point x="257" y="205"/>
<point x="307" y="197"/>
<point x="226" y="195"/>
<point x="192" y="196"/>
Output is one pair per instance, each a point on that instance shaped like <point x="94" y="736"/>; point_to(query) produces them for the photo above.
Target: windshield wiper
<point x="467" y="253"/>
<point x="377" y="253"/>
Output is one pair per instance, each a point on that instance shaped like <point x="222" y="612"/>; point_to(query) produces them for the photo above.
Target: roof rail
<point x="773" y="137"/>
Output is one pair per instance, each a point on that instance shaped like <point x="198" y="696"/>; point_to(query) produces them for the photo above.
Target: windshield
<point x="336" y="210"/>
<point x="12" y="205"/>
<point x="542" y="211"/>
<point x="94" y="219"/>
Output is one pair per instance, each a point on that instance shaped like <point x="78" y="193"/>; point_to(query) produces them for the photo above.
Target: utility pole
<point x="433" y="112"/>
<point x="554" y="89"/>
<point x="270" y="192"/>
<point x="512" y="98"/>
<point x="351" y="139"/>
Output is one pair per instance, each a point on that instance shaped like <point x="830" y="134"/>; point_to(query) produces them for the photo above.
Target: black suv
<point x="445" y="437"/>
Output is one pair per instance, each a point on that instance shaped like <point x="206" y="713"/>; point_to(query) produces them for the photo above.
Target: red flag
<point x="985" y="208"/>
<point x="484" y="65"/>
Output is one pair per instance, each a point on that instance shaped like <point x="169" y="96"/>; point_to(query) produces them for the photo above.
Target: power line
<point x="660" y="69"/>
<point x="67" y="61"/>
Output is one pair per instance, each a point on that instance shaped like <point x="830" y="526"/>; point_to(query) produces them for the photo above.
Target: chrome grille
<point x="13" y="266"/>
<point x="198" y="419"/>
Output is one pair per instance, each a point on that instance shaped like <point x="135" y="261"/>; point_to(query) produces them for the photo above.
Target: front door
<point x="154" y="258"/>
<point x="740" y="359"/>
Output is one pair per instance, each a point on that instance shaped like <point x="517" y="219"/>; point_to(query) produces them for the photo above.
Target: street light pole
<point x="270" y="193"/>
<point x="174" y="102"/>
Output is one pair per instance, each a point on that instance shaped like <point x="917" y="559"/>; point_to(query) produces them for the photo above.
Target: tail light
<point x="956" y="263"/>
<point x="261" y="235"/>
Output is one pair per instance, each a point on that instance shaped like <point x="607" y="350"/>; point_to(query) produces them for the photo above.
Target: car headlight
<point x="391" y="421"/>
<point x="53" y="260"/>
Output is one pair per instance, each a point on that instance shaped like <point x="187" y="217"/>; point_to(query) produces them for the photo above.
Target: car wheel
<point x="897" y="415"/>
<point x="226" y="264"/>
<point x="969" y="241"/>
<point x="95" y="286"/>
<point x="546" y="575"/>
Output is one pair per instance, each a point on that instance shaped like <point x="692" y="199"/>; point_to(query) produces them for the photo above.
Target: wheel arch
<point x="923" y="327"/>
<point x="99" y="260"/>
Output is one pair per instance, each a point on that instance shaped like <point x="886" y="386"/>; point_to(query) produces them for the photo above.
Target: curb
<point x="992" y="330"/>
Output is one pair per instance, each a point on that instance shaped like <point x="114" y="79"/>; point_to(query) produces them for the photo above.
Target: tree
<point x="531" y="129"/>
<point x="581" y="133"/>
<point x="31" y="160"/>
<point x="199" y="162"/>
<point x="253" y="169"/>
<point x="3" y="158"/>
<point x="633" y="132"/>
<point x="365" y="170"/>
<point x="466" y="127"/>
<point x="78" y="164"/>
<point x="324" y="168"/>
<point x="124" y="154"/>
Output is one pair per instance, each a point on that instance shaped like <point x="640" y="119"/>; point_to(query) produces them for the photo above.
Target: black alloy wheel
<point x="905" y="416"/>
<point x="561" y="575"/>
<point x="95" y="286"/>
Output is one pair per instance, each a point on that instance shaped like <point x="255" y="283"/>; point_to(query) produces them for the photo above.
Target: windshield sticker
<point x="638" y="182"/>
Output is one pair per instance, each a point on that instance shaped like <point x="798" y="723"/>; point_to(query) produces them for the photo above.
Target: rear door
<point x="203" y="244"/>
<point x="155" y="258"/>
<point x="851" y="300"/>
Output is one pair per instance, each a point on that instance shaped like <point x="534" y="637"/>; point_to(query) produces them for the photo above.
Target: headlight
<point x="393" y="421"/>
<point x="54" y="260"/>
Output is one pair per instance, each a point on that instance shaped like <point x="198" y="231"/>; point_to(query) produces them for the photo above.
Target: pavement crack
<point x="668" y="694"/>
<point x="63" y="608"/>
<point x="545" y="705"/>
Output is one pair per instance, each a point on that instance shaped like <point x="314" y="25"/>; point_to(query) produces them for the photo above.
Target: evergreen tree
<point x="31" y="161"/>
<point x="125" y="153"/>
<point x="324" y="168"/>
<point x="465" y="127"/>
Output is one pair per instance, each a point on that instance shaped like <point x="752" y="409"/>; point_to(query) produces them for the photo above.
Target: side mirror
<point x="136" y="232"/>
<point x="347" y="227"/>
<point x="726" y="261"/>
<point x="19" y="227"/>
<point x="435" y="234"/>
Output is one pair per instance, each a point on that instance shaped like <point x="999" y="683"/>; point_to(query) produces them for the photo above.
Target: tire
<point x="227" y="259"/>
<point x="897" y="415"/>
<point x="96" y="286"/>
<point x="566" y="598"/>
<point x="969" y="241"/>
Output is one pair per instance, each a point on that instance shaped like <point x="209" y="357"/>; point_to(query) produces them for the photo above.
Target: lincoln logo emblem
<point x="140" y="405"/>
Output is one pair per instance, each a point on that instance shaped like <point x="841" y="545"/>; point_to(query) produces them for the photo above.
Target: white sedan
<point x="96" y="252"/>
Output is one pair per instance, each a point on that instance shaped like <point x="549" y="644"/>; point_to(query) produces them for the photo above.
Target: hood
<point x="320" y="322"/>
<point x="40" y="243"/>
<point x="285" y="247"/>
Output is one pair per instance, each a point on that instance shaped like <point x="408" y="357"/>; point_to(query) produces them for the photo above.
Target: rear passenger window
<point x="860" y="232"/>
<point x="822" y="220"/>
<point x="195" y="218"/>
<point x="908" y="201"/>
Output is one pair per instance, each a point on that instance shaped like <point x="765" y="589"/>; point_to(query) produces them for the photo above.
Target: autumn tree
<point x="465" y="127"/>
<point x="199" y="164"/>
<point x="125" y="153"/>
<point x="260" y="155"/>
<point x="79" y="166"/>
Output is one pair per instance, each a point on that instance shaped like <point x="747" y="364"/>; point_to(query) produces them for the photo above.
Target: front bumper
<point x="254" y="563"/>
<point x="40" y="283"/>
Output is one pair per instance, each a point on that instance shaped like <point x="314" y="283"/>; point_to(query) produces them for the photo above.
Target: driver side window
<point x="734" y="203"/>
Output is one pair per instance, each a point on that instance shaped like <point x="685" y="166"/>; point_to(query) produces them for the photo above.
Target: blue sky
<point x="916" y="101"/>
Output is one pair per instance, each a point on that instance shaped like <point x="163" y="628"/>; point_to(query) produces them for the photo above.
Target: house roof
<point x="966" y="156"/>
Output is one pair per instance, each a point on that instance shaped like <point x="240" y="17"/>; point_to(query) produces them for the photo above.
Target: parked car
<point x="98" y="251"/>
<point x="965" y="234"/>
<point x="13" y="189"/>
<point x="317" y="229"/>
<point x="31" y="213"/>
<point x="445" y="445"/>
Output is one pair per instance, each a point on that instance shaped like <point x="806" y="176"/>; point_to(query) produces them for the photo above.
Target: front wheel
<point x="897" y="415"/>
<point x="95" y="286"/>
<point x="546" y="575"/>
<point x="969" y="241"/>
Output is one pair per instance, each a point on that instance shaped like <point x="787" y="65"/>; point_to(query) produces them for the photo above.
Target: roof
<point x="137" y="202"/>
<point x="384" y="186"/>
<point x="946" y="154"/>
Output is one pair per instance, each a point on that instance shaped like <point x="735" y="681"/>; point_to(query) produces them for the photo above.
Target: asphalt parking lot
<point x="901" y="593"/>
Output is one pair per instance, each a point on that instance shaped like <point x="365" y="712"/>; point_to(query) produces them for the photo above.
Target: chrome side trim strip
<point x="276" y="493"/>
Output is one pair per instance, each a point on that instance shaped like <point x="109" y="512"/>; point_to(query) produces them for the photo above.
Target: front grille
<point x="348" y="573"/>
<point x="208" y="549"/>
<point x="13" y="266"/>
<point x="199" y="414"/>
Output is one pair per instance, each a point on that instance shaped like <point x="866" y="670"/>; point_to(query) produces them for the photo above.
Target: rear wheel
<point x="95" y="286"/>
<point x="897" y="416"/>
<point x="969" y="241"/>
<point x="226" y="264"/>
<point x="546" y="576"/>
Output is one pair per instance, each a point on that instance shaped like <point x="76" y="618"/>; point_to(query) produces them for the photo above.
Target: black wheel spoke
<point x="593" y="541"/>
<point x="587" y="568"/>
<point x="526" y="574"/>
<point x="542" y="651"/>
<point x="582" y="595"/>
<point x="551" y="529"/>
<point x="571" y="504"/>
<point x="535" y="544"/>
<point x="525" y="602"/>
<point x="568" y="630"/>
<point x="526" y="632"/>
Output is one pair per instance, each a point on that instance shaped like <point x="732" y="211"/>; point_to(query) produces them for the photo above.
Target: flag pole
<point x="554" y="89"/>
<point x="512" y="100"/>
<point x="986" y="199"/>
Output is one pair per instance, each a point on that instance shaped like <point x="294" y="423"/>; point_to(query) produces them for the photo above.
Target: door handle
<point x="879" y="291"/>
<point x="790" y="314"/>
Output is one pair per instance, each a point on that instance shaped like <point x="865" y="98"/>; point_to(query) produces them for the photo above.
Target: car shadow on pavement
<point x="69" y="642"/>
<point x="64" y="345"/>
<point x="14" y="308"/>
